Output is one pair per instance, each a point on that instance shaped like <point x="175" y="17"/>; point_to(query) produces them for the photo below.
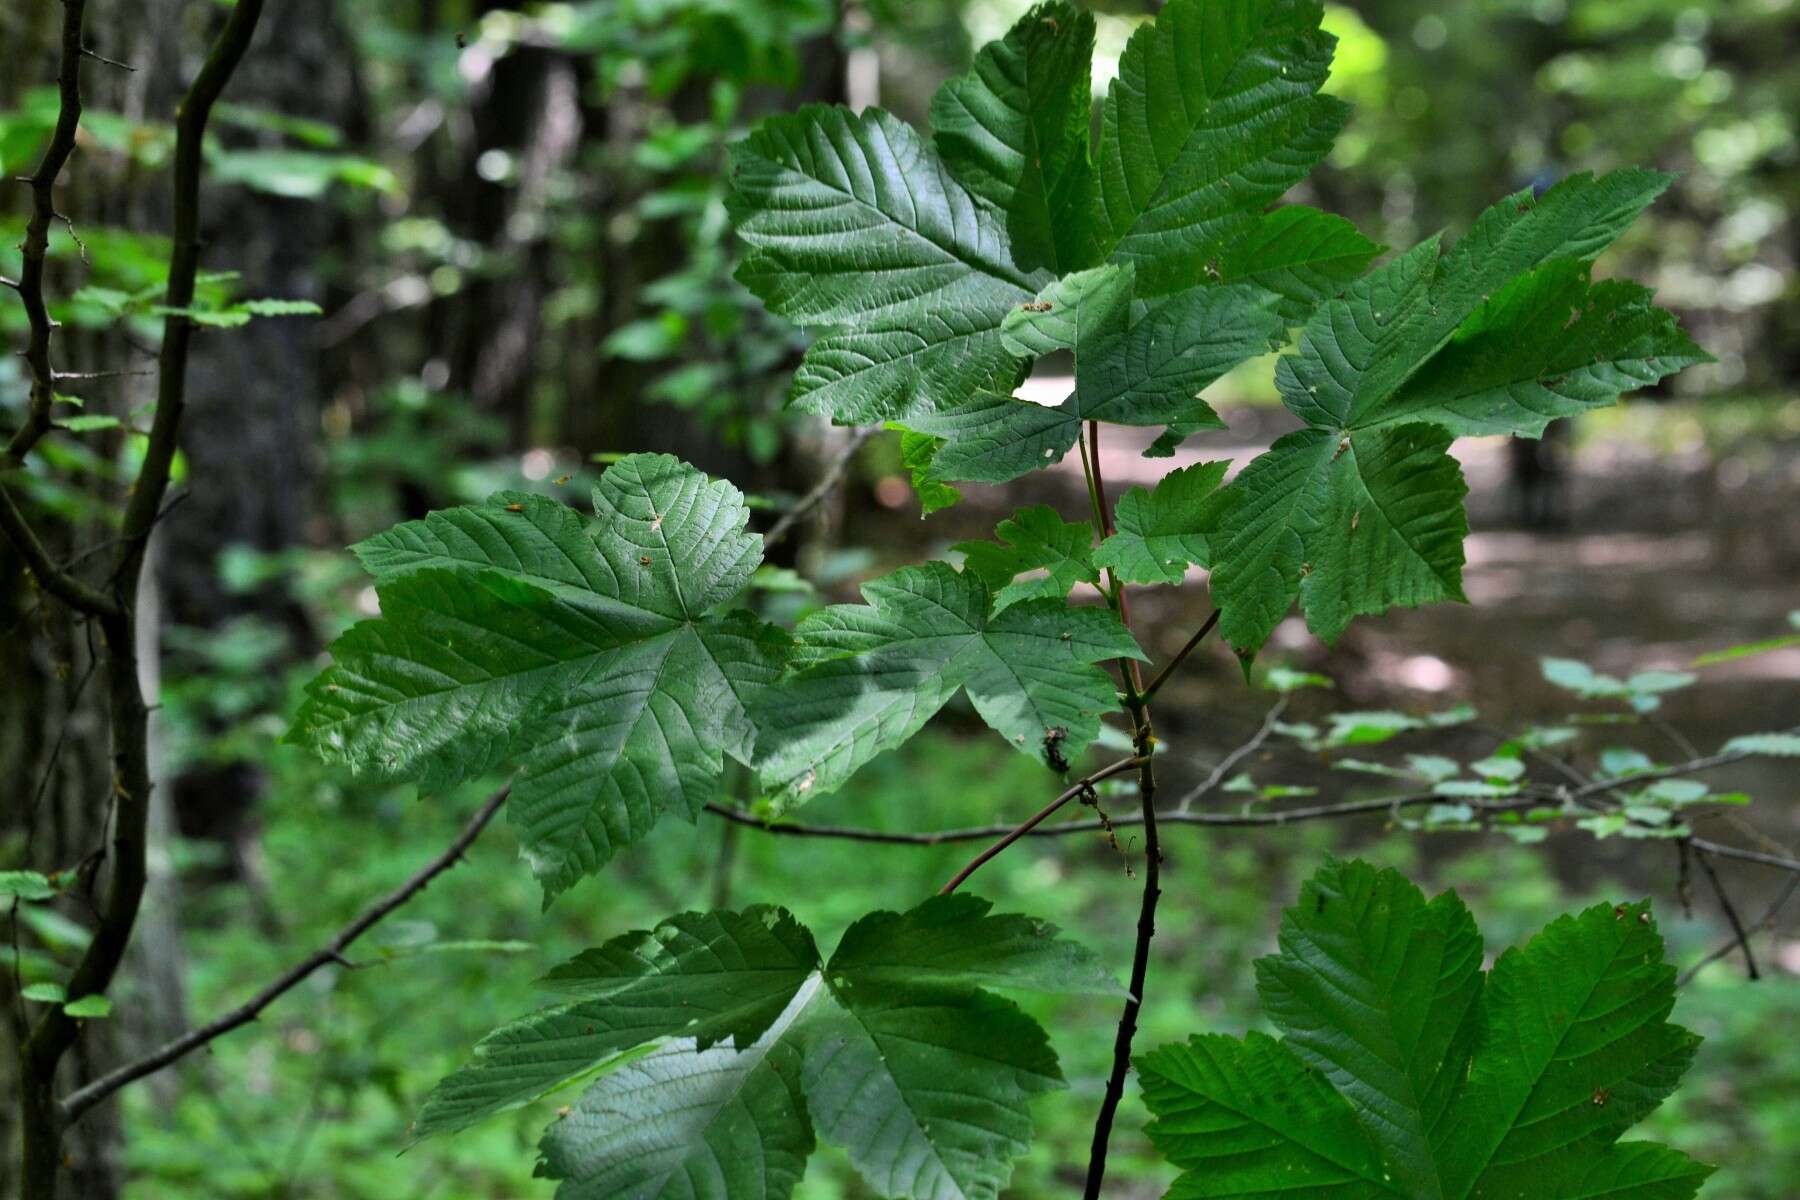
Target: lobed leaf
<point x="1215" y="113"/>
<point x="891" y="1051"/>
<point x="1163" y="532"/>
<point x="868" y="676"/>
<point x="1406" y="1072"/>
<point x="1502" y="334"/>
<point x="1033" y="539"/>
<point x="598" y="661"/>
<point x="858" y="230"/>
<point x="1134" y="365"/>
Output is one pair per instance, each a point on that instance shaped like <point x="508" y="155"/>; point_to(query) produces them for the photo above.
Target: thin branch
<point x="1136" y="703"/>
<point x="35" y="249"/>
<point x="184" y="263"/>
<point x="1230" y="761"/>
<point x="1209" y="820"/>
<point x="84" y="1098"/>
<point x="77" y="595"/>
<point x="1751" y="856"/>
<point x="1080" y="788"/>
<point x="1766" y="921"/>
<point x="1169" y="667"/>
<point x="1731" y="914"/>
<point x="834" y="472"/>
<point x="111" y="62"/>
<point x="1692" y="767"/>
<point x="1140" y="954"/>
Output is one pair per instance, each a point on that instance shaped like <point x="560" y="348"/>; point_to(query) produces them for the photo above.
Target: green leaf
<point x="927" y="1089"/>
<point x="890" y="1051"/>
<point x="867" y="677"/>
<point x="1350" y="528"/>
<point x="954" y="940"/>
<point x="26" y="885"/>
<point x="1287" y="679"/>
<point x="1033" y="539"/>
<point x="1774" y="745"/>
<point x="1643" y="690"/>
<point x="88" y="423"/>
<point x="1363" y="510"/>
<point x="1161" y="533"/>
<point x="1433" y="767"/>
<point x="680" y="1121"/>
<point x="91" y="1008"/>
<point x="278" y="308"/>
<point x="1377" y="989"/>
<point x="1215" y="113"/>
<point x="1300" y="254"/>
<point x="859" y="231"/>
<point x="1405" y="1072"/>
<point x="1248" y="1118"/>
<point x="1133" y="366"/>
<point x="1588" y="343"/>
<point x="705" y="977"/>
<point x="597" y="660"/>
<point x="916" y="452"/>
<point x="44" y="993"/>
<point x="1015" y="130"/>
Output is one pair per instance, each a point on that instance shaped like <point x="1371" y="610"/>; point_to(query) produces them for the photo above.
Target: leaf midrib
<point x="1512" y="1120"/>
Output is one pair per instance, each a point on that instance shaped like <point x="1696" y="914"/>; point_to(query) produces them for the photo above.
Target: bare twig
<point x="1140" y="954"/>
<point x="84" y="1098"/>
<point x="1030" y="823"/>
<point x="1751" y="856"/>
<point x="1766" y="921"/>
<point x="834" y="472"/>
<point x="110" y="62"/>
<point x="1226" y="764"/>
<point x="34" y="251"/>
<point x="1180" y="655"/>
<point x="1731" y="913"/>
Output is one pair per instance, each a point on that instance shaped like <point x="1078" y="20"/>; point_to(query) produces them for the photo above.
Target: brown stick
<point x="1162" y="676"/>
<point x="1034" y="820"/>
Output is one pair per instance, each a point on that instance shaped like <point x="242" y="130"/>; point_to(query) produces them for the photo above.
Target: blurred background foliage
<point x="512" y="222"/>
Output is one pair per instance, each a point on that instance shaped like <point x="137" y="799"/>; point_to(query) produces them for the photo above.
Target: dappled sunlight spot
<point x="537" y="464"/>
<point x="1425" y="673"/>
<point x="891" y="491"/>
